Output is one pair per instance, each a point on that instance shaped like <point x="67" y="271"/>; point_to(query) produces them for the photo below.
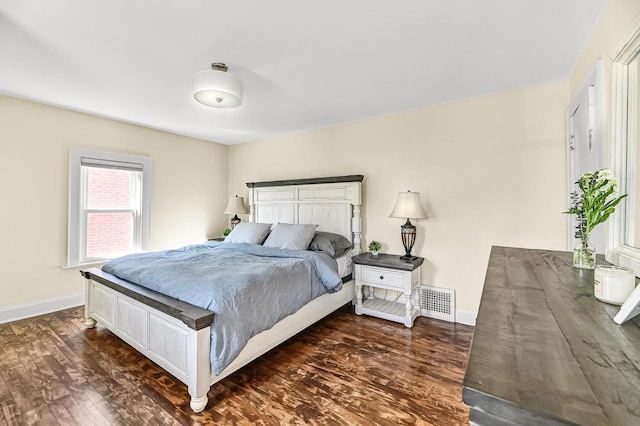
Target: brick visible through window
<point x="109" y="234"/>
<point x="111" y="208"/>
<point x="109" y="188"/>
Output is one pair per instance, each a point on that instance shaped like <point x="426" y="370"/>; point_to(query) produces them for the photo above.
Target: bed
<point x="177" y="335"/>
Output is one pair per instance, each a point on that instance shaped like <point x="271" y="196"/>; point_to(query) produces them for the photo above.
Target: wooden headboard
<point x="333" y="203"/>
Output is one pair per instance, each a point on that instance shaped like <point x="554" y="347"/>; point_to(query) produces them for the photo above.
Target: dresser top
<point x="391" y="261"/>
<point x="546" y="351"/>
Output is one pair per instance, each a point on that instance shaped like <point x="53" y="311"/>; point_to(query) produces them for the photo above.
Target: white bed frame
<point x="168" y="334"/>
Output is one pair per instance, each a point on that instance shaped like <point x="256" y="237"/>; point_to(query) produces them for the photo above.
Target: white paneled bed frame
<point x="177" y="335"/>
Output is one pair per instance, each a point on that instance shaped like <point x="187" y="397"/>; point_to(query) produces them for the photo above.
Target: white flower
<point x="608" y="178"/>
<point x="606" y="175"/>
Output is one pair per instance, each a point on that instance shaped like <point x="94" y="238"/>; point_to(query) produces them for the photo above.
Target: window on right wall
<point x="108" y="205"/>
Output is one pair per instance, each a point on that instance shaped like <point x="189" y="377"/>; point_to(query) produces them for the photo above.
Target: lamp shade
<point x="217" y="88"/>
<point x="409" y="206"/>
<point x="236" y="206"/>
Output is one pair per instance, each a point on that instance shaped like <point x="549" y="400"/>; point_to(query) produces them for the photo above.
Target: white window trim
<point x="74" y="234"/>
<point x="623" y="152"/>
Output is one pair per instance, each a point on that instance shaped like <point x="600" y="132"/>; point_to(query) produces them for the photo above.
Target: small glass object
<point x="613" y="284"/>
<point x="584" y="256"/>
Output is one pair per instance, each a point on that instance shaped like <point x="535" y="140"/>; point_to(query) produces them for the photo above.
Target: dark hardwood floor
<point x="345" y="369"/>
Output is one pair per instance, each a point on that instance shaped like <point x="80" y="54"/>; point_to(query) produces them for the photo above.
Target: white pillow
<point x="249" y="232"/>
<point x="291" y="237"/>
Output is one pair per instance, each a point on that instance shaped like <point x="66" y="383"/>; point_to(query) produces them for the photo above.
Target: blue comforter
<point x="248" y="287"/>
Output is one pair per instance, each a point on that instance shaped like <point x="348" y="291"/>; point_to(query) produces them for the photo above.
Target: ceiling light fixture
<point x="217" y="88"/>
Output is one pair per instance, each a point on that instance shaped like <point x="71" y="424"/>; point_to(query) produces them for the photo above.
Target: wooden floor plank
<point x="345" y="370"/>
<point x="8" y="412"/>
<point x="385" y="408"/>
<point x="45" y="380"/>
<point x="87" y="385"/>
<point x="375" y="375"/>
<point x="119" y="403"/>
<point x="28" y="401"/>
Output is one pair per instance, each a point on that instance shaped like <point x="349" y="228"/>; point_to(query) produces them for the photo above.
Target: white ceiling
<point x="304" y="64"/>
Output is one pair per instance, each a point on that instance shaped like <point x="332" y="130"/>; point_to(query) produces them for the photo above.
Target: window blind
<point x="109" y="164"/>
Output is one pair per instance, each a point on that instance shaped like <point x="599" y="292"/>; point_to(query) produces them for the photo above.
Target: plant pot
<point x="374" y="252"/>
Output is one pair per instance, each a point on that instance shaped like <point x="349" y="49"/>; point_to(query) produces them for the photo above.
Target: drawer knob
<point x="382" y="277"/>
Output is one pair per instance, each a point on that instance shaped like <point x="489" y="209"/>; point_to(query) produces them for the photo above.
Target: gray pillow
<point x="335" y="245"/>
<point x="291" y="236"/>
<point x="249" y="232"/>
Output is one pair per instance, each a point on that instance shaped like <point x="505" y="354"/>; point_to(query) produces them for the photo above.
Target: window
<point x="108" y="205"/>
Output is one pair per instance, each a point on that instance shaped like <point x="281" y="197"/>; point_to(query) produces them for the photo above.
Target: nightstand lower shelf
<point x="389" y="310"/>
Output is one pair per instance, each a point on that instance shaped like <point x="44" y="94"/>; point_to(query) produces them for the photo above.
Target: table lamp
<point x="408" y="205"/>
<point x="235" y="206"/>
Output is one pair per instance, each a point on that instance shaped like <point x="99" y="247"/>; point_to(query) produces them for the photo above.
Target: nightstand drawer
<point x="381" y="276"/>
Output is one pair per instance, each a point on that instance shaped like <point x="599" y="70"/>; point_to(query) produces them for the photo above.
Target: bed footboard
<point x="158" y="327"/>
<point x="173" y="334"/>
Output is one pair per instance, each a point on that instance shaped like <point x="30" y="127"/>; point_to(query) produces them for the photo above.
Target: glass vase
<point x="584" y="255"/>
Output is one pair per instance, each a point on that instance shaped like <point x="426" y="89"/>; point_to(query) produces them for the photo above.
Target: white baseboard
<point x="27" y="310"/>
<point x="466" y="317"/>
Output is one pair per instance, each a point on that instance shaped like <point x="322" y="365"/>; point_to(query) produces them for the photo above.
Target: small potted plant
<point x="374" y="246"/>
<point x="226" y="231"/>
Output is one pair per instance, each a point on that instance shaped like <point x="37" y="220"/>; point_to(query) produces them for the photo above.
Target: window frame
<point x="623" y="136"/>
<point x="77" y="223"/>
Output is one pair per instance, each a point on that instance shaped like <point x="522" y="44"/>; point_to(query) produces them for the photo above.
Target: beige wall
<point x="490" y="171"/>
<point x="188" y="196"/>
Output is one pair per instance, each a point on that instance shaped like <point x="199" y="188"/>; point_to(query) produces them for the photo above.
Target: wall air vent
<point x="438" y="303"/>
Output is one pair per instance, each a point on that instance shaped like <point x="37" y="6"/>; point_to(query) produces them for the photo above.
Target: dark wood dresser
<point x="545" y="351"/>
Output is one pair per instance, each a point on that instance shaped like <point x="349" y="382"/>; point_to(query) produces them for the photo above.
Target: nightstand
<point x="388" y="272"/>
<point x="217" y="239"/>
